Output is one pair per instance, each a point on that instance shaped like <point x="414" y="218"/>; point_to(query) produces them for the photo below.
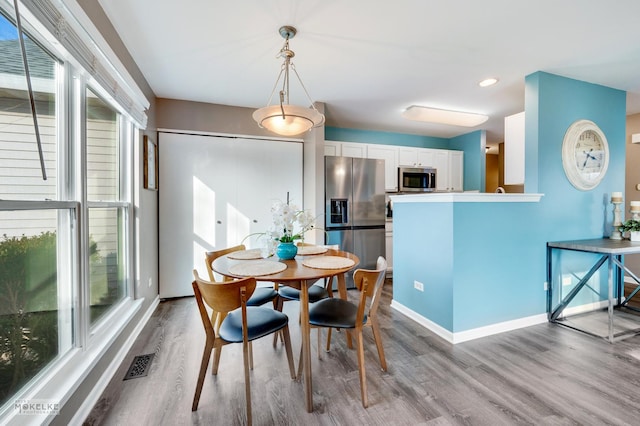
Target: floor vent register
<point x="139" y="366"/>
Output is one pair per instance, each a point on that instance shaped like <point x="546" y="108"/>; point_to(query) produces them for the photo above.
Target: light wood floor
<point x="545" y="374"/>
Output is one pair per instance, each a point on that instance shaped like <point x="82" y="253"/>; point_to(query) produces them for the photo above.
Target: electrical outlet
<point x="566" y="280"/>
<point x="418" y="285"/>
<point x="150" y="281"/>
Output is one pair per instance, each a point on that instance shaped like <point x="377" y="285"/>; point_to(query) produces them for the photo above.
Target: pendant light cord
<point x="284" y="69"/>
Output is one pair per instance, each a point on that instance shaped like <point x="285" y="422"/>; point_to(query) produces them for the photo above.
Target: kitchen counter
<point x="465" y="197"/>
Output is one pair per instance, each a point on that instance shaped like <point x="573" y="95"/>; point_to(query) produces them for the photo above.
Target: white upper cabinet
<point x="407" y="156"/>
<point x="514" y="149"/>
<point x="450" y="169"/>
<point x="456" y="170"/>
<point x="332" y="148"/>
<point x="357" y="150"/>
<point x="426" y="157"/>
<point x="389" y="154"/>
<point x="441" y="163"/>
<point x="448" y="163"/>
<point x="416" y="157"/>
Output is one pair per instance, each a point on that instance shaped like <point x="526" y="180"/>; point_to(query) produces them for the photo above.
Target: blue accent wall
<point x="384" y="138"/>
<point x="558" y="102"/>
<point x="473" y="144"/>
<point x="485" y="263"/>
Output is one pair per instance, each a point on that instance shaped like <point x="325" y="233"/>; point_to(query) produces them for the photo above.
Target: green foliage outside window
<point x="28" y="309"/>
<point x="29" y="304"/>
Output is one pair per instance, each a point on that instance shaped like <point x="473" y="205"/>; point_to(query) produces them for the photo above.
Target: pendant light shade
<point x="284" y="119"/>
<point x="288" y="120"/>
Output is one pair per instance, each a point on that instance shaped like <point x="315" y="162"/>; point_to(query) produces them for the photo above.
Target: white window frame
<point x="62" y="377"/>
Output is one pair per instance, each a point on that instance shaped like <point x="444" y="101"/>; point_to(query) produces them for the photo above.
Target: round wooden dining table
<point x="301" y="277"/>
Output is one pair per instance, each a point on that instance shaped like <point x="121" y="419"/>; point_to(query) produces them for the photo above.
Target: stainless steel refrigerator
<point x="355" y="208"/>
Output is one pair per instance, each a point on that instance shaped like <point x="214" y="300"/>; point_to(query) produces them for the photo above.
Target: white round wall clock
<point x="585" y="154"/>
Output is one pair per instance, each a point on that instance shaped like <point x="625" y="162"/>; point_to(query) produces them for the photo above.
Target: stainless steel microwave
<point x="417" y="179"/>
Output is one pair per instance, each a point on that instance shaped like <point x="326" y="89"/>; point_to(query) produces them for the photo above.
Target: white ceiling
<point x="368" y="60"/>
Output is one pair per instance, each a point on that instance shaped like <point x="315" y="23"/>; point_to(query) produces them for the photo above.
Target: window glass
<point x="106" y="266"/>
<point x="35" y="308"/>
<point x="103" y="182"/>
<point x="107" y="225"/>
<point x="21" y="175"/>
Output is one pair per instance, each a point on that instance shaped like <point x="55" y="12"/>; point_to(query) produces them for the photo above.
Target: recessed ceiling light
<point x="488" y="82"/>
<point x="442" y="116"/>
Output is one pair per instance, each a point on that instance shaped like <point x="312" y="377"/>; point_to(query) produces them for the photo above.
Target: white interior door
<point x="215" y="191"/>
<point x="276" y="169"/>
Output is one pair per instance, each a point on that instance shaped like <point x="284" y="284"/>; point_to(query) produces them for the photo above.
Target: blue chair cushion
<point x="261" y="322"/>
<point x="336" y="313"/>
<point x="315" y="293"/>
<point x="262" y="295"/>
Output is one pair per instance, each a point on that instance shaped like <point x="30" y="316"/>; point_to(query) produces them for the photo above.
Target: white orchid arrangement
<point x="285" y="218"/>
<point x="289" y="224"/>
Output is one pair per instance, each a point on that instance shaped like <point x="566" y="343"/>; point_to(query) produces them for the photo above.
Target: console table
<point x="612" y="252"/>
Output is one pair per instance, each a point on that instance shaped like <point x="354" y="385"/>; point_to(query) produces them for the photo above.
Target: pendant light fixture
<point x="285" y="119"/>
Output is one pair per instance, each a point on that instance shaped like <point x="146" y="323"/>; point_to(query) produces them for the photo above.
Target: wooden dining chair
<point x="262" y="294"/>
<point x="338" y="313"/>
<point x="242" y="324"/>
<point x="316" y="292"/>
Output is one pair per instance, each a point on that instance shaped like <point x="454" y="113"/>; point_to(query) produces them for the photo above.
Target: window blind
<point x="89" y="56"/>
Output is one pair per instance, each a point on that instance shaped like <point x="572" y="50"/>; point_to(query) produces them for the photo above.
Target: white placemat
<point x="246" y="254"/>
<point x="307" y="250"/>
<point x="256" y="268"/>
<point x="328" y="262"/>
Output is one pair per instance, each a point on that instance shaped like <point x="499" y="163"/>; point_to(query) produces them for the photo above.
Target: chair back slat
<point x="381" y="266"/>
<point x="204" y="315"/>
<point x="210" y="256"/>
<point x="370" y="283"/>
<point x="225" y="296"/>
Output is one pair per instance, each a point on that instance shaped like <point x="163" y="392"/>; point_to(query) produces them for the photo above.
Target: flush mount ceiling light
<point x="488" y="82"/>
<point x="285" y="119"/>
<point x="442" y="116"/>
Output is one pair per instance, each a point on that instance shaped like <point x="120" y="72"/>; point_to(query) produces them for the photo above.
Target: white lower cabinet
<point x="388" y="237"/>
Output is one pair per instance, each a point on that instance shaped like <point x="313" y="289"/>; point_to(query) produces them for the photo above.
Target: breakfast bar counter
<point x="465" y="263"/>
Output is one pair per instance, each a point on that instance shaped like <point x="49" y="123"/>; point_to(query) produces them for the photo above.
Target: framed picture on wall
<point x="150" y="154"/>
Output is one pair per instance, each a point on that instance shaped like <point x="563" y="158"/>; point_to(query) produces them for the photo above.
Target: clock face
<point x="585" y="154"/>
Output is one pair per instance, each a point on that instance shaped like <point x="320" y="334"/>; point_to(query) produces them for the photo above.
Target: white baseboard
<point x="92" y="398"/>
<point x="630" y="280"/>
<point x="587" y="307"/>
<point x="476" y="333"/>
